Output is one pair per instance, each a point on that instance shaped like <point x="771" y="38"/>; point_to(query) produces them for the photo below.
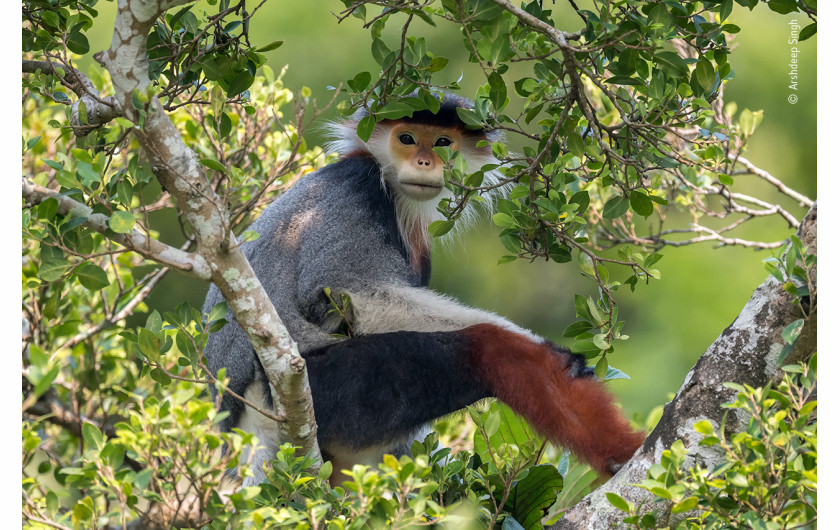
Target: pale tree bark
<point x="747" y="352"/>
<point x="218" y="257"/>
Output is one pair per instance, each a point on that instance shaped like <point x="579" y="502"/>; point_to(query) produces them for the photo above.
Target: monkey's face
<point x="419" y="170"/>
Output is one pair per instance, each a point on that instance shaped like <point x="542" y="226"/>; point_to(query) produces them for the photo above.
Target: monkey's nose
<point x="423" y="162"/>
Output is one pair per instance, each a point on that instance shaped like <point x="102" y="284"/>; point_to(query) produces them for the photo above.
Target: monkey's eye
<point x="406" y="139"/>
<point x="443" y="141"/>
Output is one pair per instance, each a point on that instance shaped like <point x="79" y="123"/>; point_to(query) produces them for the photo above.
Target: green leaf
<point x="360" y="82"/>
<point x="575" y="329"/>
<point x="438" y="64"/>
<point x="325" y="471"/>
<point x="439" y="228"/>
<point x="86" y="174"/>
<point x="239" y="84"/>
<point x="782" y="6"/>
<point x="219" y="310"/>
<point x="808" y="32"/>
<point x="586" y="264"/>
<point x="225" y="125"/>
<point x="749" y="120"/>
<point x="601" y="367"/>
<point x="469" y="117"/>
<point x="575" y="144"/>
<point x="92" y="277"/>
<point x="624" y="80"/>
<point x="503" y="220"/>
<point x="672" y="64"/>
<point x="78" y="43"/>
<point x="617" y="501"/>
<point x="51" y="19"/>
<point x="616" y="207"/>
<point x="430" y="101"/>
<point x="125" y="192"/>
<point x="685" y="505"/>
<point x="533" y="495"/>
<point x="93" y="436"/>
<point x="525" y="86"/>
<point x="48" y="209"/>
<point x="121" y="222"/>
<point x="43" y="382"/>
<point x="268" y="47"/>
<point x="32" y="142"/>
<point x="82" y="511"/>
<point x="148" y="343"/>
<point x="586" y="348"/>
<point x="249" y="235"/>
<point x="659" y="14"/>
<point x="491" y="426"/>
<point x="705" y="74"/>
<point x="365" y="127"/>
<point x="395" y="110"/>
<point x="725" y="9"/>
<point x="792" y="331"/>
<point x="641" y="203"/>
<point x="660" y="492"/>
<point x="560" y="254"/>
<point x="704" y="427"/>
<point x="600" y="341"/>
<point x="160" y="377"/>
<point x="173" y="20"/>
<point x="379" y="50"/>
<point x="212" y="164"/>
<point x="498" y="90"/>
<point x="215" y="68"/>
<point x="52" y="270"/>
<point x="484" y="11"/>
<point x="614" y="373"/>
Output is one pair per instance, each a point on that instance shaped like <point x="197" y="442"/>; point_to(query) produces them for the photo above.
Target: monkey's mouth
<point x="429" y="187"/>
<point x="421" y="191"/>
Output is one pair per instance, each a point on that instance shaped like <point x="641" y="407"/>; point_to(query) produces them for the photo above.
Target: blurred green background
<point x="670" y="322"/>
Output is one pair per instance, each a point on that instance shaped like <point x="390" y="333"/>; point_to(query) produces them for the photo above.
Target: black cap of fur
<point x="446" y="116"/>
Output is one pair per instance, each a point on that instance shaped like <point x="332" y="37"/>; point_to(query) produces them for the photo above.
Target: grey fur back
<point x="334" y="228"/>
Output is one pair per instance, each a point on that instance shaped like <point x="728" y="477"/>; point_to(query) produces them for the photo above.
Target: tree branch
<point x="746" y="352"/>
<point x="98" y="111"/>
<point x="177" y="168"/>
<point x="187" y="262"/>
<point x="761" y="173"/>
<point x="557" y="36"/>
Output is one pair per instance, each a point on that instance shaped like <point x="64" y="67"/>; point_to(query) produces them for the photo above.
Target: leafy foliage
<point x="768" y="478"/>
<point x="623" y="123"/>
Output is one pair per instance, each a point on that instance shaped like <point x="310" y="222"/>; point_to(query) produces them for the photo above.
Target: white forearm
<point x="418" y="309"/>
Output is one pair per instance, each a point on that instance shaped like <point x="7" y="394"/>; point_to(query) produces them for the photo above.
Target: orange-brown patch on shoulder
<point x="357" y="153"/>
<point x="417" y="240"/>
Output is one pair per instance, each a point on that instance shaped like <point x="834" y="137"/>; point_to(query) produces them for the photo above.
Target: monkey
<point x="359" y="227"/>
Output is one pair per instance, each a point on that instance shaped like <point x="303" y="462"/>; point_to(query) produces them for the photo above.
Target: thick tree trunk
<point x="747" y="352"/>
<point x="177" y="168"/>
